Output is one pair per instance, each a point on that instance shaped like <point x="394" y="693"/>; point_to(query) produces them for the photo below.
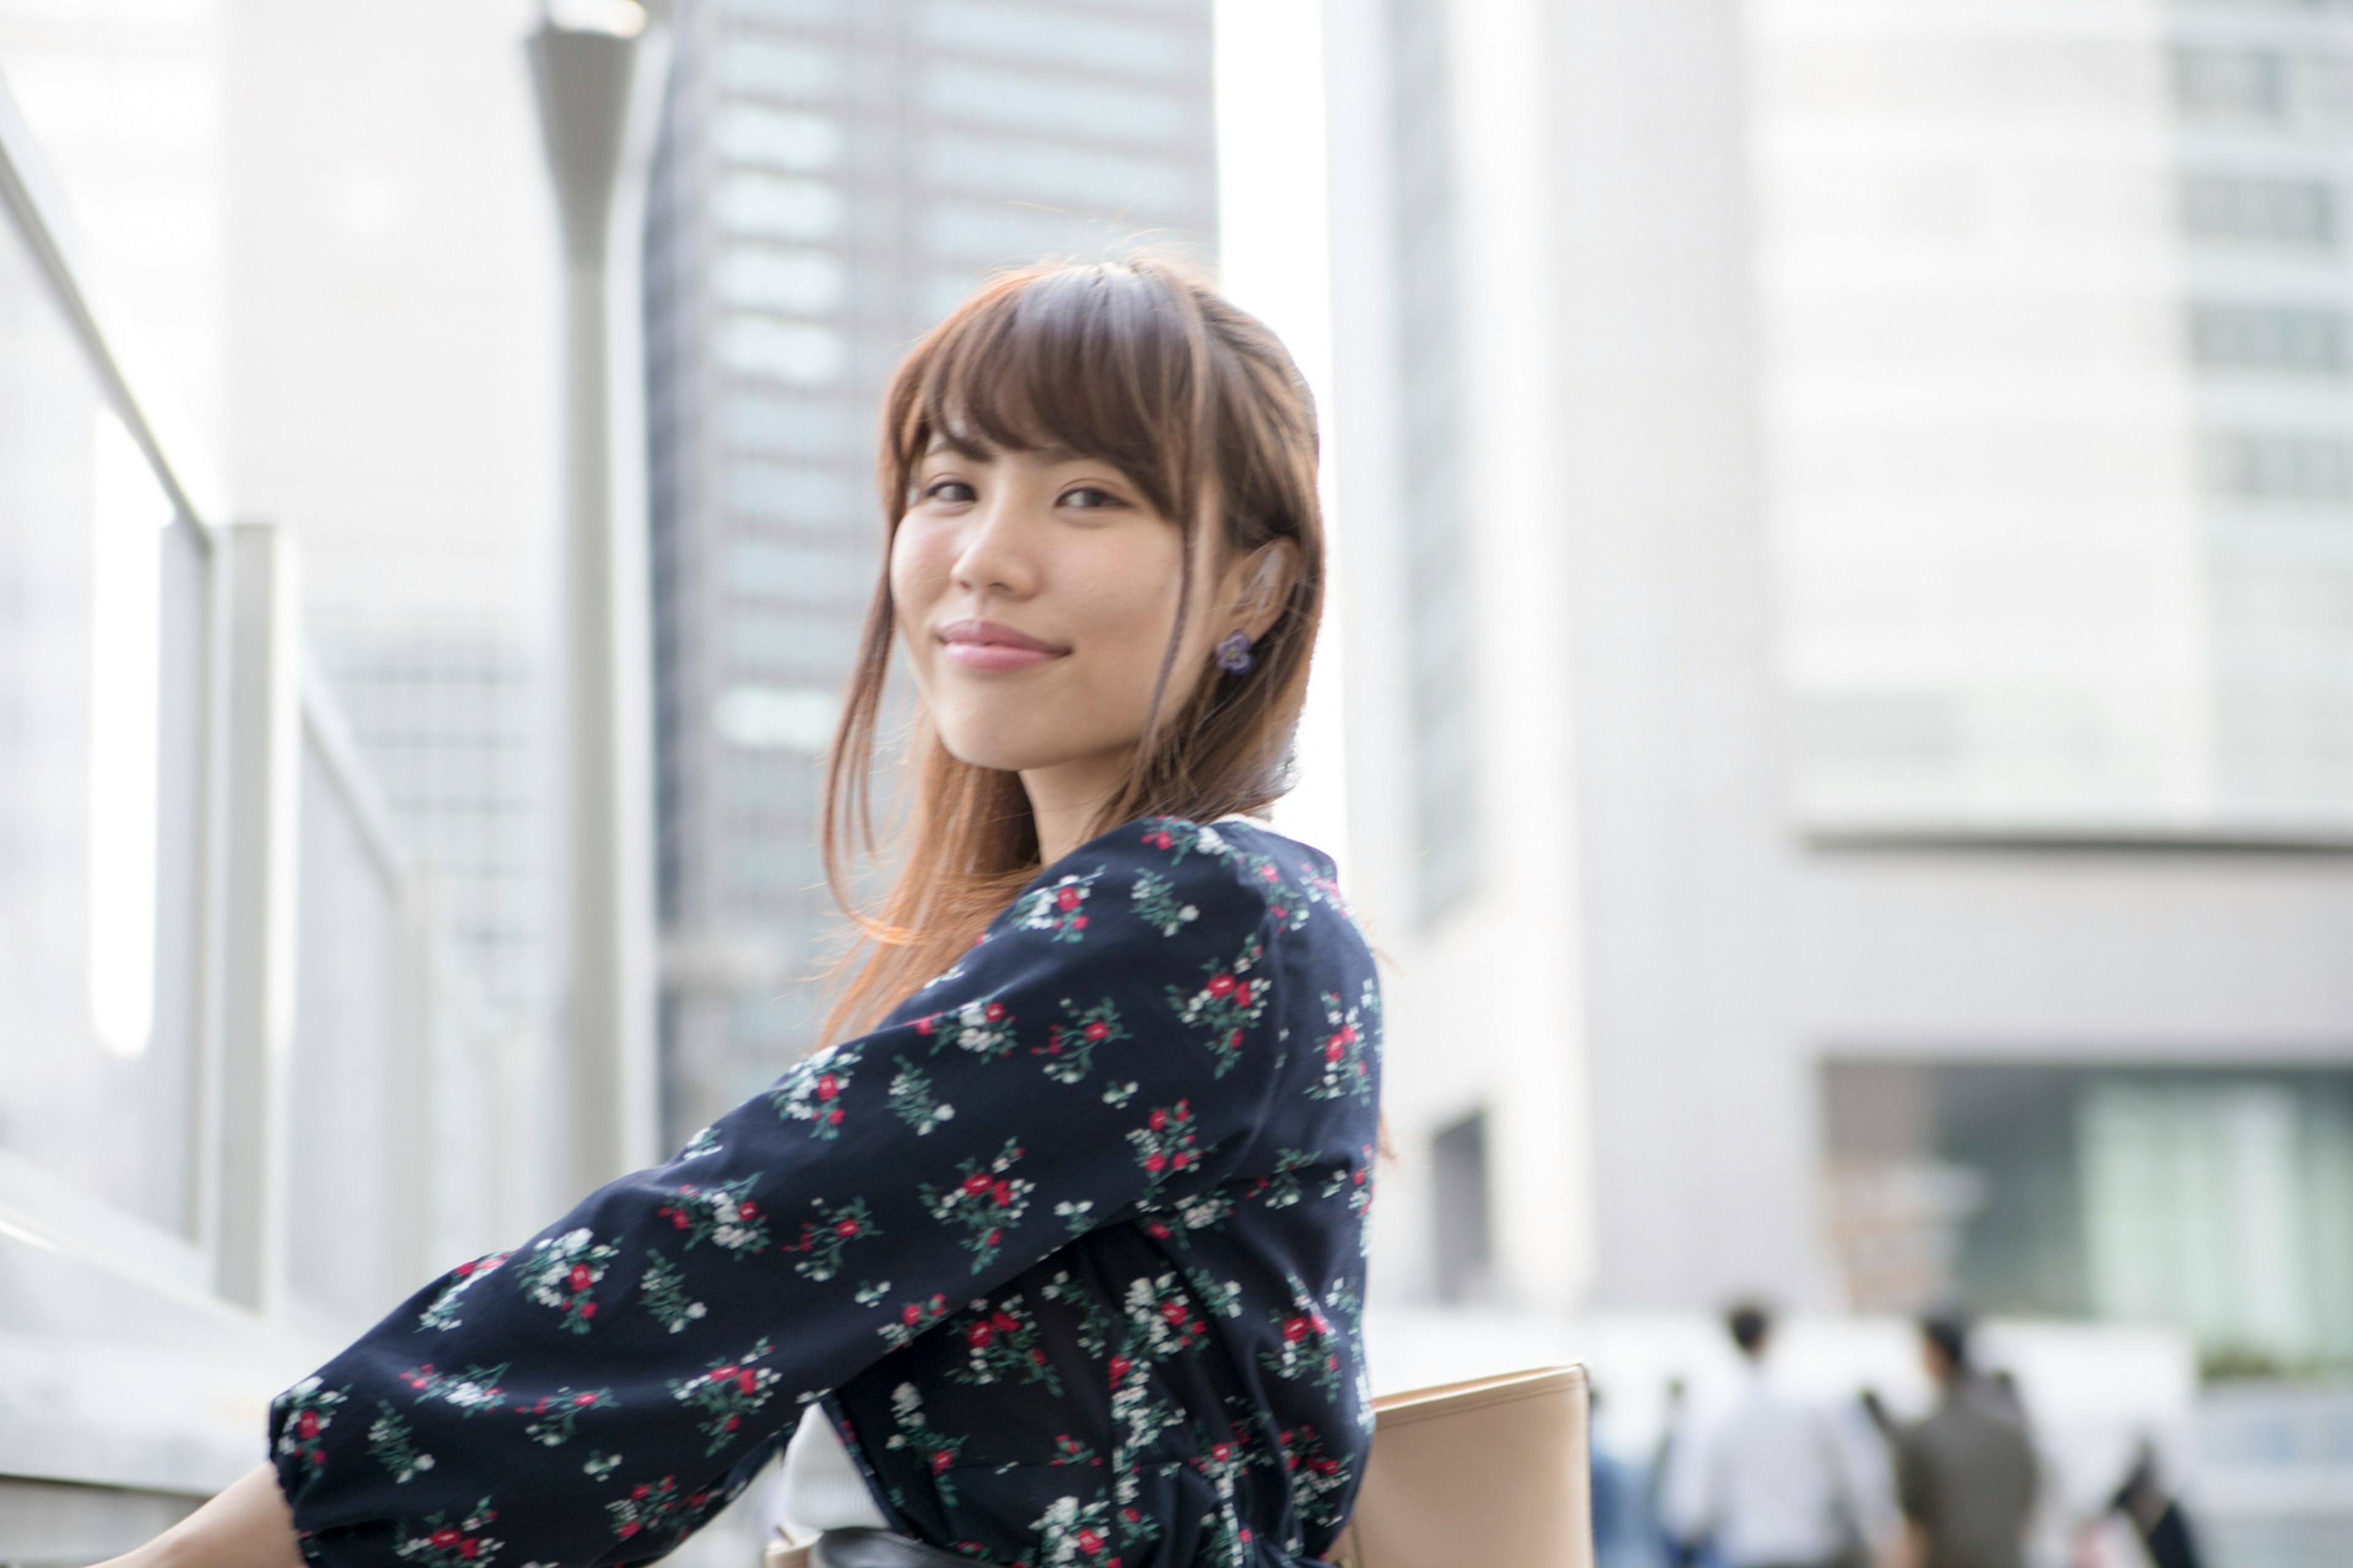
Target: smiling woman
<point x="1115" y="464"/>
<point x="1059" y="1247"/>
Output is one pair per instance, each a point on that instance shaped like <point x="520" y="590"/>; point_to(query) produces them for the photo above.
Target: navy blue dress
<point x="1072" y="1248"/>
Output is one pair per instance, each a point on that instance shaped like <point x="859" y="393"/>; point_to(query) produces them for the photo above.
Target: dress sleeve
<point x="594" y="1394"/>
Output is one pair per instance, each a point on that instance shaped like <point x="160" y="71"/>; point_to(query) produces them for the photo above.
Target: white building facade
<point x="1851" y="787"/>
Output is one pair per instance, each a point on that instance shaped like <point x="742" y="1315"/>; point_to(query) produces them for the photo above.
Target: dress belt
<point x="881" y="1549"/>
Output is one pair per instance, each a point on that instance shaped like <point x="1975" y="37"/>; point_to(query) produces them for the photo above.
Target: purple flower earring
<point x="1234" y="653"/>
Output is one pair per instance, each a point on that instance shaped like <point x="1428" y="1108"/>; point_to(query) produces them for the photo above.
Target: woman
<point x="1067" y="1246"/>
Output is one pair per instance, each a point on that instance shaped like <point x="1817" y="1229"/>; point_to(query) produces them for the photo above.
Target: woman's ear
<point x="1261" y="582"/>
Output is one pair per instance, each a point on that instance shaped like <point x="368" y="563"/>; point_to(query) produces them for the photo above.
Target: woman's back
<point x="1073" y="1242"/>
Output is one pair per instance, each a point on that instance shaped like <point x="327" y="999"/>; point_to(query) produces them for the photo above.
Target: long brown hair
<point x="1139" y="363"/>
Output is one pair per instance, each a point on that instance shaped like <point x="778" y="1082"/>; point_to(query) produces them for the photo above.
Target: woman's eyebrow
<point x="966" y="446"/>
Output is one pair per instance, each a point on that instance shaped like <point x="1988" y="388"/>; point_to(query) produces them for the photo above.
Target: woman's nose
<point x="995" y="557"/>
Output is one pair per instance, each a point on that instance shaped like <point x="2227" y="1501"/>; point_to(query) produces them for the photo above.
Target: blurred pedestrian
<point x="1965" y="1473"/>
<point x="2148" y="1506"/>
<point x="1767" y="1482"/>
<point x="1623" y="1534"/>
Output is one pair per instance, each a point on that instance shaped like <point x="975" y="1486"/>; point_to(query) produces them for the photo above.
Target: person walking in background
<point x="1765" y="1483"/>
<point x="2147" y="1504"/>
<point x="1964" y="1473"/>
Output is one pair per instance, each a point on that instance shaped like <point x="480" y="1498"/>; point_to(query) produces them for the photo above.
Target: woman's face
<point x="1035" y="594"/>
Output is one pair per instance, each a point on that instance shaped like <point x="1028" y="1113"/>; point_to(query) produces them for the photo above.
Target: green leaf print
<point x="664" y="1291"/>
<point x="390" y="1445"/>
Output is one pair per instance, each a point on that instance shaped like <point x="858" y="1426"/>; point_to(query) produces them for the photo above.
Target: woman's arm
<point x="245" y="1526"/>
<point x="598" y="1392"/>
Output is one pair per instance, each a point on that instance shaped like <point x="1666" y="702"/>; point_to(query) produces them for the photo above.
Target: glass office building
<point x="831" y="178"/>
<point x="2060" y="376"/>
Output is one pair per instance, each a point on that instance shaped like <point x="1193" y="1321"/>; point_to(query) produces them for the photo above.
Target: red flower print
<point x="1097" y="1030"/>
<point x="978" y="1183"/>
<point x="1068" y="898"/>
<point x="913" y="1314"/>
<point x="1159" y="1120"/>
<point x="469" y="1547"/>
<point x="979" y="1334"/>
<point x="1221" y="985"/>
<point x="445" y="1536"/>
<point x="846" y="1227"/>
<point x="1079" y="923"/>
<point x="941" y="1460"/>
<point x="1090" y="1543"/>
<point x="580" y="1278"/>
<point x="584" y="1399"/>
<point x="1294" y="1329"/>
<point x="1003" y="1193"/>
<point x="587" y="1308"/>
<point x="309" y="1424"/>
<point x="834" y="1115"/>
<point x="922" y="1025"/>
<point x="1174" y="1311"/>
<point x="1156" y="1162"/>
<point x="994" y="1011"/>
<point x="828" y="1086"/>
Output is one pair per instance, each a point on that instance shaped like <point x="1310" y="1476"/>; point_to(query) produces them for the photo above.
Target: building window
<point x="2258" y="210"/>
<point x="2280" y="469"/>
<point x="2215" y="1200"/>
<point x="1463" y="1240"/>
<point x="2289" y="340"/>
<point x="1429" y="350"/>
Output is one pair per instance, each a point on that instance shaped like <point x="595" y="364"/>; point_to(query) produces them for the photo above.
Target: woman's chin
<point x="982" y="747"/>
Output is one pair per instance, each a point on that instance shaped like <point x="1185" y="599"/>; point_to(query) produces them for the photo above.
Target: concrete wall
<point x="1660" y="959"/>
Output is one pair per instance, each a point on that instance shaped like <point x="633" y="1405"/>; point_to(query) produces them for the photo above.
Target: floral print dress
<point x="1070" y="1247"/>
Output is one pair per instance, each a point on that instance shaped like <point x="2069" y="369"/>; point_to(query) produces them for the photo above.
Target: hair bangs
<point x="1096" y="361"/>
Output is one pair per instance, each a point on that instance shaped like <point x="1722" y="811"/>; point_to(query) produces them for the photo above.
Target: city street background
<point x="1837" y="708"/>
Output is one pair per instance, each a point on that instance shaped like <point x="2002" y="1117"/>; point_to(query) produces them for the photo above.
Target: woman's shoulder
<point x="1175" y="870"/>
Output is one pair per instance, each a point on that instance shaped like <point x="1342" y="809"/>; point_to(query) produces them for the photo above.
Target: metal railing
<point x="247" y="1101"/>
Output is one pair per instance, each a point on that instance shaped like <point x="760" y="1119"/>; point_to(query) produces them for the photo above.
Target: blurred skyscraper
<point x="2065" y="290"/>
<point x="1893" y="460"/>
<point x="833" y="177"/>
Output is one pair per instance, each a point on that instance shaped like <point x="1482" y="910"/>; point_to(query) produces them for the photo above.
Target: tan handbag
<point x="1492" y="1473"/>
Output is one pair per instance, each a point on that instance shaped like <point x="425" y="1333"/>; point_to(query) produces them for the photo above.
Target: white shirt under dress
<point x="818" y="1488"/>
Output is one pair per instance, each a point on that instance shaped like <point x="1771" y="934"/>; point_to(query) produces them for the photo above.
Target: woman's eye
<point x="949" y="490"/>
<point x="1088" y="497"/>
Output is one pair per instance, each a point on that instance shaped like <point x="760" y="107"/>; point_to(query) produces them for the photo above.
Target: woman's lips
<point x="987" y="644"/>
